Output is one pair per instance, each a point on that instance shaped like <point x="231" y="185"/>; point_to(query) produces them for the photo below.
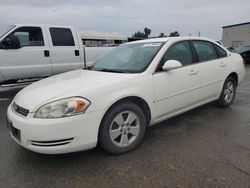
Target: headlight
<point x="63" y="108"/>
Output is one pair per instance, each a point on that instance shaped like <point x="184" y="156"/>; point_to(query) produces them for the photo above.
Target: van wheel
<point x="228" y="93"/>
<point x="122" y="128"/>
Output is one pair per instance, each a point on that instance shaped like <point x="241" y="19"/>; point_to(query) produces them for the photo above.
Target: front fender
<point x="141" y="88"/>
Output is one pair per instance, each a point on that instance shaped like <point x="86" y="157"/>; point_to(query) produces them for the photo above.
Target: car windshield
<point x="128" y="58"/>
<point x="5" y="29"/>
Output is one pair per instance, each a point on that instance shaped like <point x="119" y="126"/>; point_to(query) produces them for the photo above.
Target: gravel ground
<point x="206" y="147"/>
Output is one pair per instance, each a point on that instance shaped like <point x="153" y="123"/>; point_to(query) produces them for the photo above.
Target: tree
<point x="142" y="35"/>
<point x="147" y="31"/>
<point x="174" y="34"/>
<point x="162" y="35"/>
<point x="139" y="34"/>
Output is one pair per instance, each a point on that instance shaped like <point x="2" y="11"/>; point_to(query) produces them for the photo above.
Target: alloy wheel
<point x="124" y="128"/>
<point x="229" y="92"/>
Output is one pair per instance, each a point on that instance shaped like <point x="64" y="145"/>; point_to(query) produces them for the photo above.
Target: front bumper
<point x="55" y="136"/>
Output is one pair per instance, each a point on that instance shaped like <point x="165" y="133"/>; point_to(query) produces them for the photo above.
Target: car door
<point x="28" y="61"/>
<point x="212" y="69"/>
<point x="65" y="49"/>
<point x="176" y="90"/>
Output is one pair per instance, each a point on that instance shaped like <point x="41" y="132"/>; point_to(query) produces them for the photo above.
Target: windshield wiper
<point x="111" y="70"/>
<point x="88" y="68"/>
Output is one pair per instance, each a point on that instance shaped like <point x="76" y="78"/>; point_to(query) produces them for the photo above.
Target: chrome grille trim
<point x="20" y="110"/>
<point x="51" y="143"/>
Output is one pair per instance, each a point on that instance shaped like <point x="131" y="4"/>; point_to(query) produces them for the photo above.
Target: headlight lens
<point x="63" y="108"/>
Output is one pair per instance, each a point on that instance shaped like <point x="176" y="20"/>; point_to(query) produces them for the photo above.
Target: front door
<point x="176" y="90"/>
<point x="29" y="61"/>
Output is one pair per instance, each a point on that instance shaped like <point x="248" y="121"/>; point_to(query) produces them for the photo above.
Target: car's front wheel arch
<point x="134" y="99"/>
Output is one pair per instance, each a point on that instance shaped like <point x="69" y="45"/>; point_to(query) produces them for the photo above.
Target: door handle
<point x="193" y="72"/>
<point x="46" y="53"/>
<point x="222" y="64"/>
<point x="77" y="53"/>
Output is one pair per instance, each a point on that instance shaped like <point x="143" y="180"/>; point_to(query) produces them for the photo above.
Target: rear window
<point x="62" y="37"/>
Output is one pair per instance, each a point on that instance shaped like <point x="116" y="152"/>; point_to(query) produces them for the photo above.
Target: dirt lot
<point x="206" y="147"/>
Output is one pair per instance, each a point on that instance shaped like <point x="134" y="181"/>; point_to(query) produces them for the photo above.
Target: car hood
<point x="65" y="85"/>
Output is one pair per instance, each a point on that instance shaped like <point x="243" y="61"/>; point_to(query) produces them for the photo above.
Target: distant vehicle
<point x="112" y="102"/>
<point x="33" y="51"/>
<point x="244" y="51"/>
<point x="109" y="45"/>
<point x="220" y="43"/>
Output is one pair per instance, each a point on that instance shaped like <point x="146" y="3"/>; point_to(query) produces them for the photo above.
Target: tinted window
<point x="221" y="53"/>
<point x="29" y="36"/>
<point x="181" y="52"/>
<point x="62" y="37"/>
<point x="205" y="50"/>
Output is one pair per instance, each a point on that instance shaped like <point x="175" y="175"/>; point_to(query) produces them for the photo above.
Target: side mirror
<point x="11" y="42"/>
<point x="171" y="65"/>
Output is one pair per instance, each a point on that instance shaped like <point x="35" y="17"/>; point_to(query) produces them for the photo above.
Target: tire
<point x="122" y="128"/>
<point x="228" y="93"/>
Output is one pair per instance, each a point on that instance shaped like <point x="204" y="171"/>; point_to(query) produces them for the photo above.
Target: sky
<point x="129" y="16"/>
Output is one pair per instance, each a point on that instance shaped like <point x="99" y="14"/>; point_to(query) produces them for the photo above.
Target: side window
<point x="221" y="53"/>
<point x="205" y="50"/>
<point x="29" y="36"/>
<point x="181" y="52"/>
<point x="62" y="37"/>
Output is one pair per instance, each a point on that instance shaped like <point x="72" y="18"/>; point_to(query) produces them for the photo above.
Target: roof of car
<point x="165" y="39"/>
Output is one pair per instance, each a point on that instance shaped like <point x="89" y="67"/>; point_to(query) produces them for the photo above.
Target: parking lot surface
<point x="206" y="147"/>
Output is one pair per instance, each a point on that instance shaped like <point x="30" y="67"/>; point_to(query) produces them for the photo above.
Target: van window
<point x="29" y="36"/>
<point x="205" y="50"/>
<point x="62" y="37"/>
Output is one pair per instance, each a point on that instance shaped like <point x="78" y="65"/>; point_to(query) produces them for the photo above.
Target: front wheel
<point x="228" y="93"/>
<point x="122" y="128"/>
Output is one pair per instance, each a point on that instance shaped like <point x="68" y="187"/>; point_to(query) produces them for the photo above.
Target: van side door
<point x="65" y="49"/>
<point x="29" y="60"/>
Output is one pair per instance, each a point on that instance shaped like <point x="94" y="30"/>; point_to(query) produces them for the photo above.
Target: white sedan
<point x="112" y="102"/>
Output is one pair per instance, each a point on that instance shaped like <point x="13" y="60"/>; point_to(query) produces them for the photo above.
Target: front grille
<point x="20" y="110"/>
<point x="51" y="143"/>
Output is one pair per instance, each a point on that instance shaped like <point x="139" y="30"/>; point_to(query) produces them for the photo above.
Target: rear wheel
<point x="228" y="93"/>
<point x="122" y="129"/>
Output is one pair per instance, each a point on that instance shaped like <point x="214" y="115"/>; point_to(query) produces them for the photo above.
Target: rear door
<point x="212" y="66"/>
<point x="65" y="49"/>
<point x="29" y="61"/>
